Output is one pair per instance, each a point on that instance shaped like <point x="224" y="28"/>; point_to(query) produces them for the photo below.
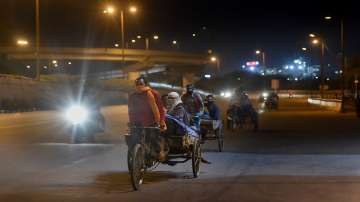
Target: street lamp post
<point x="217" y="62"/>
<point x="110" y="10"/>
<point x="122" y="38"/>
<point x="322" y="73"/>
<point x="37" y="41"/>
<point x="147" y="41"/>
<point x="316" y="40"/>
<point x="343" y="68"/>
<point x="263" y="58"/>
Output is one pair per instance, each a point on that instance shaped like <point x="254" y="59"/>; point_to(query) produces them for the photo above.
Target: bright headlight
<point x="77" y="114"/>
<point x="228" y="94"/>
<point x="265" y="94"/>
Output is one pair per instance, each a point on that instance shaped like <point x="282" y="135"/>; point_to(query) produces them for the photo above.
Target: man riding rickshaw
<point x="150" y="141"/>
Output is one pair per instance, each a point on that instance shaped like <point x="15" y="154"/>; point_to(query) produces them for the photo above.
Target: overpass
<point x="140" y="59"/>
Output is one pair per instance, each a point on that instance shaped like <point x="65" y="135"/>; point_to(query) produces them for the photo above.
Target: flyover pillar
<point x="188" y="78"/>
<point x="133" y="75"/>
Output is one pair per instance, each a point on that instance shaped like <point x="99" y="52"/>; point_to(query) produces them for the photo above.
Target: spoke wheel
<point x="137" y="166"/>
<point x="196" y="159"/>
<point x="220" y="138"/>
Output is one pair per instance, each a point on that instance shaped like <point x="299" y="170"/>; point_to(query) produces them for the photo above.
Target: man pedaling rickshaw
<point x="241" y="107"/>
<point x="146" y="110"/>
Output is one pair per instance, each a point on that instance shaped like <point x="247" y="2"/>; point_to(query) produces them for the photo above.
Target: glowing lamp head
<point x="315" y="41"/>
<point x="133" y="9"/>
<point x="109" y="10"/>
<point x="22" y="42"/>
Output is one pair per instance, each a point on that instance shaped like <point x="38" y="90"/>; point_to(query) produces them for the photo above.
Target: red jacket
<point x="145" y="107"/>
<point x="159" y="104"/>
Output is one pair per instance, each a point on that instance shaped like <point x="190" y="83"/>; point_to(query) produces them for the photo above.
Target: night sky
<point x="233" y="29"/>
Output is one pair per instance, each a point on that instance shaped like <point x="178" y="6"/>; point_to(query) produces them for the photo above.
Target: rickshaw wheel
<point x="137" y="166"/>
<point x="196" y="159"/>
<point x="220" y="138"/>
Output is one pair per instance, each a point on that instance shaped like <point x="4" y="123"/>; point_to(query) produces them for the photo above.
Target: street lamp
<point x="342" y="52"/>
<point x="146" y="39"/>
<point x="327" y="17"/>
<point x="110" y="10"/>
<point x="262" y="53"/>
<point x="312" y="35"/>
<point x="216" y="60"/>
<point x="322" y="76"/>
<point x="304" y="49"/>
<point x="174" y="42"/>
<point x="37" y="37"/>
<point x="315" y="41"/>
<point x="22" y="42"/>
<point x="133" y="9"/>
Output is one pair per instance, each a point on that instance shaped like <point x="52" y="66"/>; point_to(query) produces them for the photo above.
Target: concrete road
<point x="301" y="153"/>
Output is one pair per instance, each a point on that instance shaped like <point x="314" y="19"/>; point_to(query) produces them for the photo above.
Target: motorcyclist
<point x="240" y="100"/>
<point x="242" y="104"/>
<point x="92" y="99"/>
<point x="273" y="96"/>
<point x="272" y="102"/>
<point x="193" y="104"/>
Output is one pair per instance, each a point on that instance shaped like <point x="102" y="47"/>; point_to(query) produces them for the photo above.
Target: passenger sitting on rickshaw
<point x="177" y="120"/>
<point x="212" y="110"/>
<point x="176" y="107"/>
<point x="193" y="104"/>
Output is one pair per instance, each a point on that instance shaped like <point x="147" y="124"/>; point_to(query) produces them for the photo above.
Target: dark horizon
<point x="233" y="30"/>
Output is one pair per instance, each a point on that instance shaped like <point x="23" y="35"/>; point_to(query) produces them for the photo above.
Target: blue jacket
<point x="214" y="111"/>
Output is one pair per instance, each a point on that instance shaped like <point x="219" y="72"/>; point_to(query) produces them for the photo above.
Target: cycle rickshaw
<point x="182" y="142"/>
<point x="212" y="130"/>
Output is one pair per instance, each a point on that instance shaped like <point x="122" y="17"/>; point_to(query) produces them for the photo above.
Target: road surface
<point x="301" y="153"/>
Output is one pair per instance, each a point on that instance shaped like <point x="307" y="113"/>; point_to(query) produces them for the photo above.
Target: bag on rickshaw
<point x="179" y="134"/>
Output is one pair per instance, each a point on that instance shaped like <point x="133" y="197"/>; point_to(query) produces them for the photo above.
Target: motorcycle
<point x="272" y="103"/>
<point x="238" y="118"/>
<point x="84" y="123"/>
